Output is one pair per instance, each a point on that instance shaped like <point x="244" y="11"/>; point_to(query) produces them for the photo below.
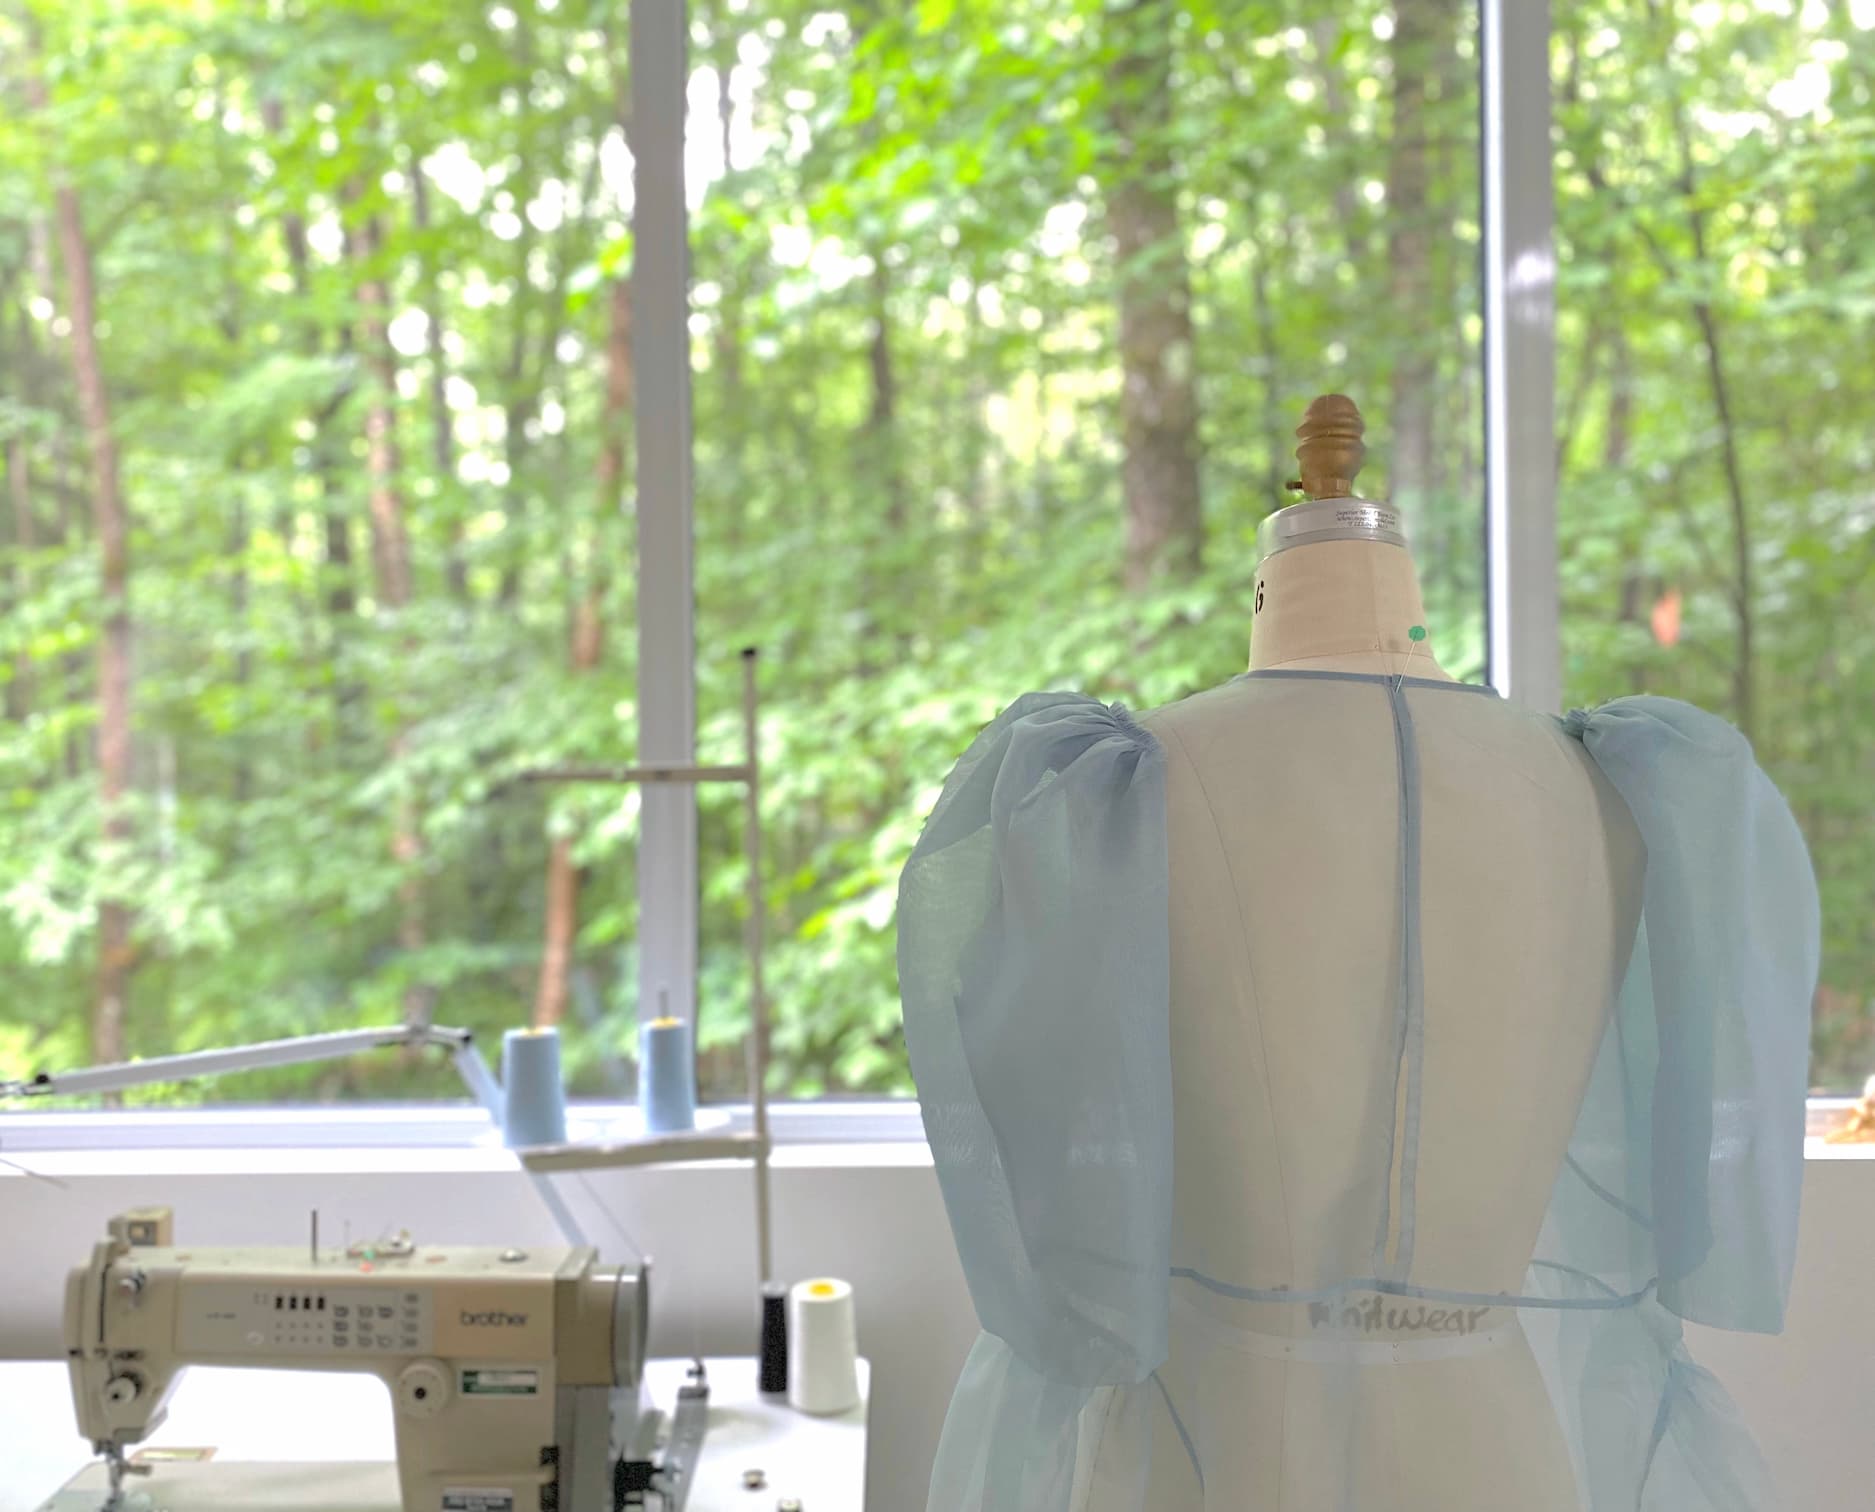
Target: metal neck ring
<point x="1329" y="520"/>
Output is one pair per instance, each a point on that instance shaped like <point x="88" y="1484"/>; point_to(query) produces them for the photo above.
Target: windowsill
<point x="416" y="1141"/>
<point x="391" y="1160"/>
<point x="1815" y="1149"/>
<point x="462" y="1140"/>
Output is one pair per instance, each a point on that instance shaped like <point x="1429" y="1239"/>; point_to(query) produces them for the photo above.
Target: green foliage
<point x="1716" y="206"/>
<point x="908" y="457"/>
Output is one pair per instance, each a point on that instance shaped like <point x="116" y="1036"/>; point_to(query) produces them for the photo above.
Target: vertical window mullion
<point x="1523" y="597"/>
<point x="660" y="289"/>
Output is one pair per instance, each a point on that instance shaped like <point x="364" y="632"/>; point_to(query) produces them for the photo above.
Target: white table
<point x="268" y="1427"/>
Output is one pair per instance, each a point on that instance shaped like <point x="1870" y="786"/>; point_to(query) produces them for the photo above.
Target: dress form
<point x="1283" y="845"/>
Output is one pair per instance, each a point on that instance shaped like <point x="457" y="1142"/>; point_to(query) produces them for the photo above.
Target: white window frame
<point x="418" y="1127"/>
<point x="1523" y="656"/>
<point x="668" y="889"/>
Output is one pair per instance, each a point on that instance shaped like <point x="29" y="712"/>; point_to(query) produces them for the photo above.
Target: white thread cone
<point x="823" y="1347"/>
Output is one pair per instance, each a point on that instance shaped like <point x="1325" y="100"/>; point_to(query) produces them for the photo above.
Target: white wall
<point x="875" y="1218"/>
<point x="1809" y="1393"/>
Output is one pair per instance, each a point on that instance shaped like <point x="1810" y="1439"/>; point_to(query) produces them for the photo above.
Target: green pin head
<point x="1417" y="633"/>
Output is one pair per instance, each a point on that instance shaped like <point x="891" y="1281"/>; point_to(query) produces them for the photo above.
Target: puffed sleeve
<point x="1034" y="970"/>
<point x="1724" y="974"/>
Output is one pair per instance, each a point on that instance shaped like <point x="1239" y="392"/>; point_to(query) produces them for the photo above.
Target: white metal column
<point x="1523" y="655"/>
<point x="667" y="702"/>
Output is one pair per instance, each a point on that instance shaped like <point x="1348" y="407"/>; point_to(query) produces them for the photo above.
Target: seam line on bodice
<point x="1611" y="1302"/>
<point x="1412" y="974"/>
<point x="1324" y="675"/>
<point x="1409" y="1012"/>
<point x="1191" y="1449"/>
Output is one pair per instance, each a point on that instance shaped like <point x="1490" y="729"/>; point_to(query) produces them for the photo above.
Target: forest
<point x="316" y="396"/>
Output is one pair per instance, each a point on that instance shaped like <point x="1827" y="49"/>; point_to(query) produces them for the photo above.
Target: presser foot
<point x="118" y="1470"/>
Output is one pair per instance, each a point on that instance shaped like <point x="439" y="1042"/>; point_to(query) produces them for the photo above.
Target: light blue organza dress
<point x="1037" y="955"/>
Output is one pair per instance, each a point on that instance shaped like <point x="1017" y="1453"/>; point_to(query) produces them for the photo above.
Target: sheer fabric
<point x="1118" y="1368"/>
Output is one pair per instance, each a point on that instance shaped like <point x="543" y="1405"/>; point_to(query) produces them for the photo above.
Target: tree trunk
<point x="520" y="399"/>
<point x="75" y="682"/>
<point x="973" y="440"/>
<point x="338" y="589"/>
<point x="111" y="519"/>
<point x="442" y="434"/>
<point x="1276" y="465"/>
<point x="390" y="566"/>
<point x="390" y="541"/>
<point x="737" y="422"/>
<point x="341" y="589"/>
<point x="239" y="595"/>
<point x="881" y="448"/>
<point x="1421" y="39"/>
<point x="1349" y="152"/>
<point x="1620" y="422"/>
<point x="1744" y="594"/>
<point x="1158" y="393"/>
<point x="25" y="534"/>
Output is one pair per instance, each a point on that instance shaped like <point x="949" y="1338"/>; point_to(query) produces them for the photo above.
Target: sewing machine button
<point x="386" y="1312"/>
<point x="754" y="1480"/>
<point x="788" y="1504"/>
<point x="341" y="1312"/>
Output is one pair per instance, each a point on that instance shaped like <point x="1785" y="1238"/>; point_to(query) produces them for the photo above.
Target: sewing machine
<point x="515" y="1376"/>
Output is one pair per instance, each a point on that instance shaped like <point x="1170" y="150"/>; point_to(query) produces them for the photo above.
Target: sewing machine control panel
<point x="292" y="1318"/>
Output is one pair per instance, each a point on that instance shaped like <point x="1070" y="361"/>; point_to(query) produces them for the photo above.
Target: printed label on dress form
<point x="1396" y="1318"/>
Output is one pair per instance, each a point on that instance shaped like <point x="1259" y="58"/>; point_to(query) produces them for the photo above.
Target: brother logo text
<point x="494" y="1319"/>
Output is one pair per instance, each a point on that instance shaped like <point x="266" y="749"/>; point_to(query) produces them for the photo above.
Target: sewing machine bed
<point x="303" y="1441"/>
<point x="313" y="1486"/>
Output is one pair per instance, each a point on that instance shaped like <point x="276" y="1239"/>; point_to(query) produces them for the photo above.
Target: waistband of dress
<point x="1589" y="1291"/>
<point x="1340" y="1348"/>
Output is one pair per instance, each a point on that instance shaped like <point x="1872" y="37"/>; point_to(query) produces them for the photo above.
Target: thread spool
<point x="774" y="1352"/>
<point x="823" y="1348"/>
<point x="533" y="1097"/>
<point x="667" y="1091"/>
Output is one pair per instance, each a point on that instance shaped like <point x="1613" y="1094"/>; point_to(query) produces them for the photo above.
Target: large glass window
<point x="1005" y="317"/>
<point x="1715" y="224"/>
<point x="317" y="411"/>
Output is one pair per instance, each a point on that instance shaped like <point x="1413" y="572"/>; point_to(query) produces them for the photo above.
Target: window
<point x="1005" y="316"/>
<point x="1002" y="316"/>
<point x="1715" y="208"/>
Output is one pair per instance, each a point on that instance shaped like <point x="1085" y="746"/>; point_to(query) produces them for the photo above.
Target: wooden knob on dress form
<point x="1331" y="452"/>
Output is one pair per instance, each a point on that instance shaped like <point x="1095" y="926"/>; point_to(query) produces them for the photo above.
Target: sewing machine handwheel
<point x="423" y="1389"/>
